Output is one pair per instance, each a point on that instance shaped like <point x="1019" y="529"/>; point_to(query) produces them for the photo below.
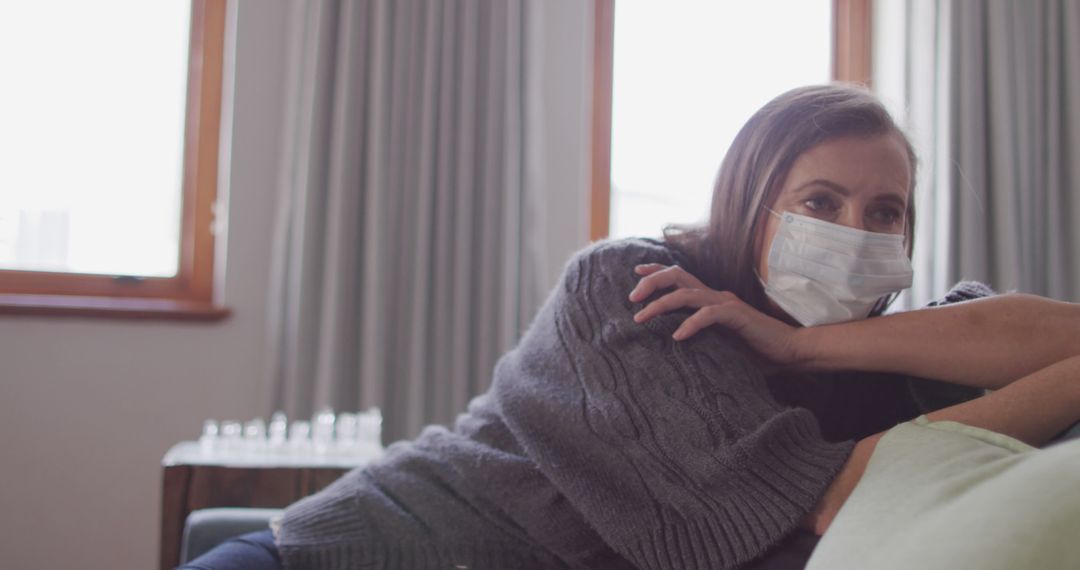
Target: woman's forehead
<point x="854" y="165"/>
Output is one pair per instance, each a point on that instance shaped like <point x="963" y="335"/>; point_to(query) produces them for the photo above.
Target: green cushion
<point x="943" y="495"/>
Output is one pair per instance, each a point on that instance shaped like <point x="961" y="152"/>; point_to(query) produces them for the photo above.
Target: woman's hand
<point x="778" y="342"/>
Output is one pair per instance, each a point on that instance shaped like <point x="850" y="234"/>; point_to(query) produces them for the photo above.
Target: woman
<point x="1022" y="346"/>
<point x="686" y="420"/>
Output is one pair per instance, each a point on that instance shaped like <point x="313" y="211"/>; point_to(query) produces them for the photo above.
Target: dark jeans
<point x="254" y="551"/>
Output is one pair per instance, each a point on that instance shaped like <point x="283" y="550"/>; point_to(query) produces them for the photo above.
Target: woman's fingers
<point x="662" y="277"/>
<point x="725" y="315"/>
<point x="680" y="298"/>
<point x="658" y="277"/>
<point x="648" y="268"/>
<point x="769" y="337"/>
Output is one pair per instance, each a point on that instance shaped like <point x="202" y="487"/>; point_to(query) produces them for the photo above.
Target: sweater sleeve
<point x="675" y="452"/>
<point x="932" y="395"/>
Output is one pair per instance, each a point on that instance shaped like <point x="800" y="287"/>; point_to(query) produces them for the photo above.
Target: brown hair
<point x="722" y="252"/>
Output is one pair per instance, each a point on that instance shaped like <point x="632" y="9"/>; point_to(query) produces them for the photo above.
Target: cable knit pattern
<point x="602" y="443"/>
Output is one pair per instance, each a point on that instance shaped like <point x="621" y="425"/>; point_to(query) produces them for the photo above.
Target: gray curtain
<point x="992" y="95"/>
<point x="407" y="254"/>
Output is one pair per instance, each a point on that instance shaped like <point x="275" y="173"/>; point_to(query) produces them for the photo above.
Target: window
<point x="110" y="150"/>
<point x="673" y="83"/>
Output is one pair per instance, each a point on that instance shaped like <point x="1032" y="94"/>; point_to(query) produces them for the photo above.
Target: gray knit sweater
<point x="601" y="443"/>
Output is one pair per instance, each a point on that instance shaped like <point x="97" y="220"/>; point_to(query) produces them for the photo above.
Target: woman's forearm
<point x="819" y="519"/>
<point x="1033" y="409"/>
<point x="985" y="343"/>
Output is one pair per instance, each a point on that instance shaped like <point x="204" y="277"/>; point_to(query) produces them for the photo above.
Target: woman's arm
<point x="1033" y="409"/>
<point x="985" y="343"/>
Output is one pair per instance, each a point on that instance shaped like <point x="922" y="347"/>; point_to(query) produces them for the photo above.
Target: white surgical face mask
<point x="822" y="273"/>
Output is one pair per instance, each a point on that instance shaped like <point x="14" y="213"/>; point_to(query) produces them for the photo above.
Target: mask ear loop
<point x="764" y="286"/>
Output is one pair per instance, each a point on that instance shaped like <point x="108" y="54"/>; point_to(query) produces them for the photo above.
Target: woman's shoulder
<point x="625" y="253"/>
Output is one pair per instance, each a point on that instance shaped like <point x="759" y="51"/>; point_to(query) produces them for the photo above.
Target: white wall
<point x="88" y="407"/>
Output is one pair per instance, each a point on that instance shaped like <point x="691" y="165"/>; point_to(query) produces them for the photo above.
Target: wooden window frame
<point x="190" y="294"/>
<point x="852" y="25"/>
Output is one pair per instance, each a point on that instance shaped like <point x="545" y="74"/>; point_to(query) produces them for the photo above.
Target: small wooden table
<point x="195" y="479"/>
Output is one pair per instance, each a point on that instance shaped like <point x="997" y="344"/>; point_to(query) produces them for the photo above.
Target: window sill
<point x="111" y="307"/>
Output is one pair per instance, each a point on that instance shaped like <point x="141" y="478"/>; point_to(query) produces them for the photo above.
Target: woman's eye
<point x="887" y="216"/>
<point x="820" y="204"/>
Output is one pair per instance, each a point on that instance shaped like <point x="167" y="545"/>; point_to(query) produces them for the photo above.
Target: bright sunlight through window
<point x="91" y="135"/>
<point x="687" y="75"/>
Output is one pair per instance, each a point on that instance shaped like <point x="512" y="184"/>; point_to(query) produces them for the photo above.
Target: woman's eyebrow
<point x="826" y="183"/>
<point x="893" y="197"/>
<point x="844" y="191"/>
